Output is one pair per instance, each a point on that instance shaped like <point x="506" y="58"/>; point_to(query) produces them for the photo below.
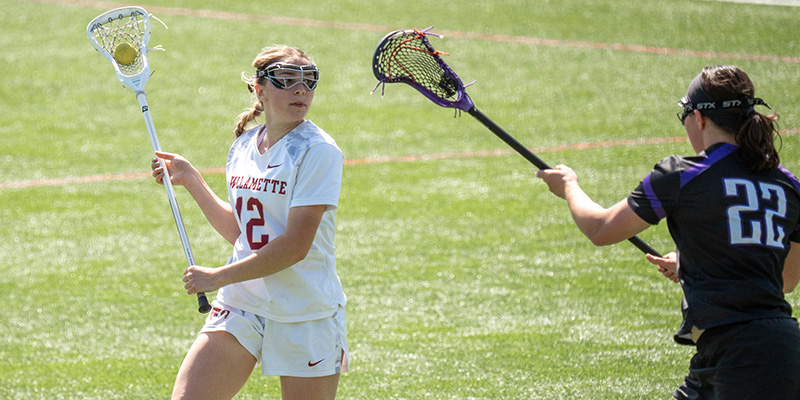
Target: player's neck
<point x="714" y="136"/>
<point x="274" y="133"/>
<point x="707" y="133"/>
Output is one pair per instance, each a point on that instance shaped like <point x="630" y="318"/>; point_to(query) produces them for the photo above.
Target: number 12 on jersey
<point x="253" y="204"/>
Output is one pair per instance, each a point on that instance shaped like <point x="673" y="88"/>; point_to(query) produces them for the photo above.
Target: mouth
<point x="297" y="104"/>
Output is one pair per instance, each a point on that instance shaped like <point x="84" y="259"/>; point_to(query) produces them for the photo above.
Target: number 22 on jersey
<point x="773" y="233"/>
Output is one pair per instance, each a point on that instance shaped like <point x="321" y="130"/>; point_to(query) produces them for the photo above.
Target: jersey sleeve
<point x="319" y="177"/>
<point x="794" y="235"/>
<point x="657" y="194"/>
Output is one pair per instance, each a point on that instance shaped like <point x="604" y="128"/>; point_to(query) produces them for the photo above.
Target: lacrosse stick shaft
<point x="202" y="301"/>
<point x="502" y="134"/>
<point x="643" y="246"/>
<point x="516" y="145"/>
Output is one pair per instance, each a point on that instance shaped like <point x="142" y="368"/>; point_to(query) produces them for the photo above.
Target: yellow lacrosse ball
<point x="125" y="54"/>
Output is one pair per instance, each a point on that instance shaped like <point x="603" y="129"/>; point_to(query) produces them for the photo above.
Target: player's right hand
<point x="179" y="168"/>
<point x="557" y="179"/>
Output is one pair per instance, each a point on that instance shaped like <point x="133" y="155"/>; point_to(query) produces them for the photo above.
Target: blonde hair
<point x="267" y="56"/>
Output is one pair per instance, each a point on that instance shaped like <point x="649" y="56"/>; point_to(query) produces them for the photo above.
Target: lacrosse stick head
<point x="123" y="26"/>
<point x="407" y="56"/>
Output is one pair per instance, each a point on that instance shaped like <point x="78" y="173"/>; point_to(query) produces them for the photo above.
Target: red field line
<point x="356" y="161"/>
<point x="502" y="152"/>
<point x="224" y="15"/>
<point x="374" y="160"/>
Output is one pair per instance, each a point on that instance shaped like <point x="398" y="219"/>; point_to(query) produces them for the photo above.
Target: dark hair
<point x="754" y="132"/>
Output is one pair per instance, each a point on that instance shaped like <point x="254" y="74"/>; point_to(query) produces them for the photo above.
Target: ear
<point x="700" y="119"/>
<point x="261" y="92"/>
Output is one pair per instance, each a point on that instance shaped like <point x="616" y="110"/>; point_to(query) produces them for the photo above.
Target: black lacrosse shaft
<point x="516" y="145"/>
<point x="508" y="139"/>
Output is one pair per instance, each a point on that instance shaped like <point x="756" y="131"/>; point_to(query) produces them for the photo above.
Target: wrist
<point x="234" y="272"/>
<point x="194" y="182"/>
<point x="222" y="276"/>
<point x="571" y="188"/>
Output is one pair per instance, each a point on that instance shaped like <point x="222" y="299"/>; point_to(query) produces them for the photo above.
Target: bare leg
<point x="322" y="388"/>
<point x="216" y="367"/>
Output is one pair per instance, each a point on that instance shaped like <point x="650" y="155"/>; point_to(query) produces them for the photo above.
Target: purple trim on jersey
<point x="791" y="176"/>
<point x="653" y="198"/>
<point x="795" y="182"/>
<point x="716" y="155"/>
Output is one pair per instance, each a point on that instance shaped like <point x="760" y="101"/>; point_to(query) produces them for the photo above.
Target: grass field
<point x="466" y="278"/>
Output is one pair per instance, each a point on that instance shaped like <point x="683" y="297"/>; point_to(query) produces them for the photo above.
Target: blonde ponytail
<point x="247" y="117"/>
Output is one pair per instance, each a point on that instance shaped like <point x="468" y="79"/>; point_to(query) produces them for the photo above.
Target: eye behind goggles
<point x="285" y="75"/>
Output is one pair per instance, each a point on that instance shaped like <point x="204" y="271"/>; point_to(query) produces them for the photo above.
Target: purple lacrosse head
<point x="407" y="56"/>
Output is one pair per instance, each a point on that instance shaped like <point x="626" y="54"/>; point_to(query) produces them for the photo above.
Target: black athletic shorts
<point x="757" y="359"/>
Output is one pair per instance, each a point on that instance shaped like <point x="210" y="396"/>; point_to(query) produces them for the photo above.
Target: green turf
<point x="466" y="278"/>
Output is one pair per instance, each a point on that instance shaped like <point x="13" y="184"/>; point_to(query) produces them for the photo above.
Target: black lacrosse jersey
<point x="732" y="227"/>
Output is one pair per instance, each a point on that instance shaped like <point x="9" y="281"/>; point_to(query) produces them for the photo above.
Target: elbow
<point x="296" y="256"/>
<point x="600" y="239"/>
<point x="293" y="246"/>
<point x="790" y="283"/>
<point x="789" y="288"/>
<point x="299" y="253"/>
<point x="597" y="232"/>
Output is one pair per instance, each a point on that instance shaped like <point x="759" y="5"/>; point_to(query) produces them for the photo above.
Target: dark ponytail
<point x="756" y="141"/>
<point x="755" y="133"/>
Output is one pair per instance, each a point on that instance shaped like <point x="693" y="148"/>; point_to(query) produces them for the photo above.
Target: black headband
<point x="698" y="99"/>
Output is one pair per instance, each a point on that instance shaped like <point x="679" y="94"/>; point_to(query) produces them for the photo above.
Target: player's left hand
<point x="667" y="265"/>
<point x="200" y="279"/>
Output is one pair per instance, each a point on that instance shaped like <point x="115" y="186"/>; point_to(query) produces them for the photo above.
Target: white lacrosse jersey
<point x="303" y="168"/>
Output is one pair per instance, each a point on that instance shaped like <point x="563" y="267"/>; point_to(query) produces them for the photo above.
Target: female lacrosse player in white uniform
<point x="280" y="301"/>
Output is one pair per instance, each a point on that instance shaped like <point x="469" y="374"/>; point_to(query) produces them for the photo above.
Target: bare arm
<point x="218" y="212"/>
<point x="791" y="268"/>
<point x="280" y="253"/>
<point x="603" y="226"/>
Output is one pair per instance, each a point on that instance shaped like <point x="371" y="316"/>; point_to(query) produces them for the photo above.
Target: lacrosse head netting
<point x="123" y="26"/>
<point x="407" y="56"/>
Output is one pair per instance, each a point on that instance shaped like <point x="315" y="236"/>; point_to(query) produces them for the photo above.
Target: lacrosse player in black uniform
<point x="734" y="214"/>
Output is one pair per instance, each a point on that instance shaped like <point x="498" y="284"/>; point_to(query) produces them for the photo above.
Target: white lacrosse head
<point x="123" y="25"/>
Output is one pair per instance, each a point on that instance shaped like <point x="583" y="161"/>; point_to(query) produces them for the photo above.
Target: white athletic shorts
<point x="303" y="349"/>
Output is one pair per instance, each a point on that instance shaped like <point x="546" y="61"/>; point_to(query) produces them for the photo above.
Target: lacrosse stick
<point x="121" y="35"/>
<point x="407" y="56"/>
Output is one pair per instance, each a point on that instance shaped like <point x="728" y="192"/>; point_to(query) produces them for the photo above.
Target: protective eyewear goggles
<point x="285" y="75"/>
<point x="689" y="107"/>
